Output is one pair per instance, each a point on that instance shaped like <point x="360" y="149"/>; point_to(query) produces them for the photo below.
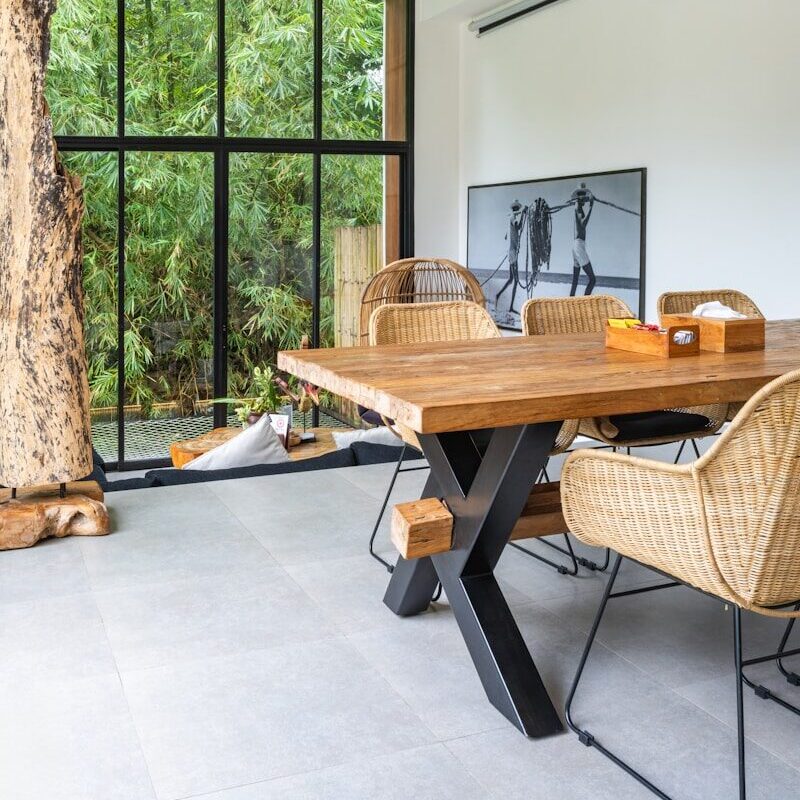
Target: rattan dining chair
<point x="589" y="314"/>
<point x="727" y="525"/>
<point x="403" y="323"/>
<point x="686" y="302"/>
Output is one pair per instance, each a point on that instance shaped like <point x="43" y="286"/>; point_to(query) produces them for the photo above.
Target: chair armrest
<point x="645" y="510"/>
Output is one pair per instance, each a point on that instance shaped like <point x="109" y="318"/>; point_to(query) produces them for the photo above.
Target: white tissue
<point x="716" y="310"/>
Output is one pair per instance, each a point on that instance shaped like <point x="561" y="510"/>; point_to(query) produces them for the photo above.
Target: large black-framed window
<point x="136" y="149"/>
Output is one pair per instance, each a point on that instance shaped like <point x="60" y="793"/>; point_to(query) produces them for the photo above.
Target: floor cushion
<point x="179" y="477"/>
<point x="256" y="445"/>
<point x="370" y="453"/>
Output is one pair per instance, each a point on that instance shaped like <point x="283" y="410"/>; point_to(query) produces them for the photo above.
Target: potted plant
<point x="266" y="397"/>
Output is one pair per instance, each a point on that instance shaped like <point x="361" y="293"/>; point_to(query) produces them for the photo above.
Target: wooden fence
<point x="358" y="255"/>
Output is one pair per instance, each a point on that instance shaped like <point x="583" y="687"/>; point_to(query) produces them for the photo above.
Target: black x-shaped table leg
<point x="486" y="490"/>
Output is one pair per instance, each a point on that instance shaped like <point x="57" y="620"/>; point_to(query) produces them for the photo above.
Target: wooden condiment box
<point x="723" y="335"/>
<point x="653" y="343"/>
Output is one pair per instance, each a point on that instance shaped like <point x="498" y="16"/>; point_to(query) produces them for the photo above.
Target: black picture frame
<point x="630" y="288"/>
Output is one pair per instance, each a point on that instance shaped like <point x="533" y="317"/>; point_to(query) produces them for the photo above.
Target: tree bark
<point x="45" y="429"/>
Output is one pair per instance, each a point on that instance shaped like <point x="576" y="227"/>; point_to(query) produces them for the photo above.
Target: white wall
<point x="704" y="93"/>
<point x="436" y="128"/>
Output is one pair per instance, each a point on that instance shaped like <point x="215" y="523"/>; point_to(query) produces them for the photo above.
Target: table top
<point x="515" y="380"/>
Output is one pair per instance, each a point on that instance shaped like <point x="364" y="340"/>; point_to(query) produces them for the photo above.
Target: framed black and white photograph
<point x="558" y="237"/>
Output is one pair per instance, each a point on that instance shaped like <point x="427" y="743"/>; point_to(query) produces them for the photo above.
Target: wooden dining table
<point x="514" y="394"/>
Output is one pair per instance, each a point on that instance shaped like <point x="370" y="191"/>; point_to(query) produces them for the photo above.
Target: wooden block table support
<point x="39" y="513"/>
<point x="422" y="528"/>
<point x="425" y="527"/>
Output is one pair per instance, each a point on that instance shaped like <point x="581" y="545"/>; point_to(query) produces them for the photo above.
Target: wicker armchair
<point x="418" y="280"/>
<point x="409" y="323"/>
<point x="686" y="302"/>
<point x="457" y="320"/>
<point x="727" y="525"/>
<point x="588" y="314"/>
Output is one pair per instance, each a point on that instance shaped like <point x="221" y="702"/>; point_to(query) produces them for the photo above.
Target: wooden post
<point x="394" y="119"/>
<point x="357" y="257"/>
<point x="44" y="391"/>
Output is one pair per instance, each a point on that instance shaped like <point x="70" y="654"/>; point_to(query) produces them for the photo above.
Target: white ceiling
<point x="457" y="9"/>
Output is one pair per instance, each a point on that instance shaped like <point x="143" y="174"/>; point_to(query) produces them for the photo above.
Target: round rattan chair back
<point x="452" y="321"/>
<point x="686" y="302"/>
<point x="418" y="280"/>
<point x="571" y="315"/>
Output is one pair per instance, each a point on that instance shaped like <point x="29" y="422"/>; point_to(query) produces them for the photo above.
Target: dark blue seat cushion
<point x="178" y="477"/>
<point x="370" y="417"/>
<point x="651" y="424"/>
<point x="130" y="483"/>
<point x="371" y="453"/>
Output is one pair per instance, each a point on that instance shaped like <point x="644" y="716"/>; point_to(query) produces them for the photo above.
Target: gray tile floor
<point x="228" y="642"/>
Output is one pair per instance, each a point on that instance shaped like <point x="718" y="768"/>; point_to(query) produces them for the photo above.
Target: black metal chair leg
<point x="737" y="651"/>
<point x="792" y="677"/>
<point x="562" y="570"/>
<point x="696" y="448"/>
<point x="389" y="567"/>
<point x="680" y="452"/>
<point x="762" y="691"/>
<point x="584" y="736"/>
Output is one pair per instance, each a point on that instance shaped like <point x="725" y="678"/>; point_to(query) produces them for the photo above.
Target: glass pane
<point x="269" y="257"/>
<point x="270" y="68"/>
<point x="364" y="69"/>
<point x="169" y="267"/>
<point x="98" y="171"/>
<point x="82" y="71"/>
<point x="170" y="67"/>
<point x="354" y="243"/>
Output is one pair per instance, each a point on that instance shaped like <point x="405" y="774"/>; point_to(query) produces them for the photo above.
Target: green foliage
<point x="171" y="53"/>
<point x="263" y="395"/>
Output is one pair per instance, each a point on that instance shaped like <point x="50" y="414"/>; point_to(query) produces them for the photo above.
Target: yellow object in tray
<point x="624" y="323"/>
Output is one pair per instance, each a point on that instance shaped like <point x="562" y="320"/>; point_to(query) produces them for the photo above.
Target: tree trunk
<point x="44" y="391"/>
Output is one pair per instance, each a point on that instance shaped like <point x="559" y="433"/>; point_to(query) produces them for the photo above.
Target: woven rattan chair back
<point x="419" y="323"/>
<point x="452" y="321"/>
<point x="418" y="280"/>
<point x="750" y="485"/>
<point x="686" y="302"/>
<point x="570" y="315"/>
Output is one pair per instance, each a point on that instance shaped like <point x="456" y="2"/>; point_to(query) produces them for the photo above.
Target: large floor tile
<point x="300" y="521"/>
<point x="767" y="724"/>
<point x="70" y="740"/>
<point x="426" y="661"/>
<point x="686" y="752"/>
<point x="348" y="590"/>
<point x="425" y="773"/>
<point x="375" y="478"/>
<point x="163" y="535"/>
<point x="515" y="768"/>
<point x="235" y="611"/>
<point x="218" y="723"/>
<point x="52" y="568"/>
<point x="677" y="635"/>
<point x="56" y="639"/>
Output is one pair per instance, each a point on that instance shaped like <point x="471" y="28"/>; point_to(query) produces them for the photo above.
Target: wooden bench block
<point x="422" y="528"/>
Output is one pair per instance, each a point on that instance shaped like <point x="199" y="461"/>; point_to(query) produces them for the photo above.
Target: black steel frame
<point x="221" y="146"/>
<point x="486" y="490"/>
<point x="588" y="739"/>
